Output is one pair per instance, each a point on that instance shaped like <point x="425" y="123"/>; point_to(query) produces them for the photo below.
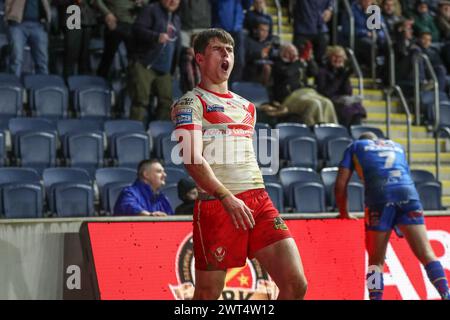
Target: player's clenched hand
<point x="239" y="212"/>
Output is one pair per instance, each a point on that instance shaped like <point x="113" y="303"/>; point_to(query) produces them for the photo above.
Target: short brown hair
<point x="202" y="39"/>
<point x="144" y="165"/>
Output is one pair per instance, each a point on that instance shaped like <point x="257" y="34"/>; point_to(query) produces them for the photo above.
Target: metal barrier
<point x="351" y="19"/>
<point x="279" y="16"/>
<point x="437" y="148"/>
<point x="358" y="71"/>
<point x="429" y="66"/>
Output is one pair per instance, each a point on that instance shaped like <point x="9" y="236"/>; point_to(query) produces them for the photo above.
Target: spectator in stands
<point x="389" y="14"/>
<point x="364" y="36"/>
<point x="119" y="15"/>
<point x="259" y="54"/>
<point x="443" y="20"/>
<point x="229" y="15"/>
<point x="189" y="70"/>
<point x="292" y="97"/>
<point x="405" y="48"/>
<point x="188" y="193"/>
<point x="408" y="8"/>
<point x="195" y="17"/>
<point x="310" y="24"/>
<point x="76" y="41"/>
<point x="144" y="197"/>
<point x="154" y="58"/>
<point x="257" y="14"/>
<point x="443" y="23"/>
<point x="434" y="55"/>
<point x="333" y="81"/>
<point x="28" y="22"/>
<point x="424" y="21"/>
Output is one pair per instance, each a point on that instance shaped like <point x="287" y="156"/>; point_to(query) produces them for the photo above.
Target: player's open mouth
<point x="225" y="65"/>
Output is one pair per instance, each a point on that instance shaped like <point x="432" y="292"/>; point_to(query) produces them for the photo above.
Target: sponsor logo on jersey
<point x="184" y="110"/>
<point x="215" y="108"/>
<point x="183" y="118"/>
<point x="185" y="102"/>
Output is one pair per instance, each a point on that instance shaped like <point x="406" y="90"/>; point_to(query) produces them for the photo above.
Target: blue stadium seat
<point x="109" y="177"/>
<point x="252" y="91"/>
<point x="113" y="128"/>
<point x="430" y="194"/>
<point x="357" y="130"/>
<point x="54" y="177"/>
<point x="171" y="192"/>
<point x="275" y="191"/>
<point x="335" y="150"/>
<point x="355" y="195"/>
<point x="168" y="145"/>
<point x="289" y="176"/>
<point x="93" y="103"/>
<point x="48" y="95"/>
<point x="175" y="174"/>
<point x="66" y="126"/>
<point x="302" y="152"/>
<point x="309" y="197"/>
<point x="288" y="131"/>
<point x="3" y="154"/>
<point x="158" y="129"/>
<point x="22" y="200"/>
<point x="419" y="176"/>
<point x="17" y="175"/>
<point x="37" y="149"/>
<point x="111" y="193"/>
<point x="444" y="114"/>
<point x="17" y="125"/>
<point x="83" y="81"/>
<point x="324" y="132"/>
<point x="85" y="150"/>
<point x="132" y="148"/>
<point x="74" y="200"/>
<point x="328" y="176"/>
<point x="11" y="101"/>
<point x="11" y="79"/>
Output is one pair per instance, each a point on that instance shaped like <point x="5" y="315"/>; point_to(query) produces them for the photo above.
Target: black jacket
<point x="151" y="22"/>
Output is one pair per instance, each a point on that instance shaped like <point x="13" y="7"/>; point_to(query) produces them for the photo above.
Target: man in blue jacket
<point x="229" y="15"/>
<point x="143" y="197"/>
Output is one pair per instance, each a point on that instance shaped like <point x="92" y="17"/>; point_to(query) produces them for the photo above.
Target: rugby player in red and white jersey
<point x="234" y="218"/>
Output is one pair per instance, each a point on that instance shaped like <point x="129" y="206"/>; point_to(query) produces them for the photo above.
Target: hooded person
<point x="188" y="193"/>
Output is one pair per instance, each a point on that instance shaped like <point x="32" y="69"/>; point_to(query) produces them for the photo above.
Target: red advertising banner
<point x="154" y="260"/>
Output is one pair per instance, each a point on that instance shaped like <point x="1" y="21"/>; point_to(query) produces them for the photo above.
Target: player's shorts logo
<point x="219" y="253"/>
<point x="250" y="282"/>
<point x="415" y="214"/>
<point x="279" y="224"/>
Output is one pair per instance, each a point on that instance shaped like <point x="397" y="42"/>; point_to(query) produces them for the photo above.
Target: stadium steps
<point x="422" y="145"/>
<point x="286" y="27"/>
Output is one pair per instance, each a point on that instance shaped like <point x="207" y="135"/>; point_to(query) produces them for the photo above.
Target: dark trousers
<point x="112" y="40"/>
<point x="76" y="46"/>
<point x="319" y="42"/>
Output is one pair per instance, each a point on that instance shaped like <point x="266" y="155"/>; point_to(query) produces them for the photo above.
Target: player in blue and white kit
<point x="391" y="201"/>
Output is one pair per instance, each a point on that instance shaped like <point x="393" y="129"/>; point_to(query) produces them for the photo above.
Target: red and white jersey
<point x="227" y="123"/>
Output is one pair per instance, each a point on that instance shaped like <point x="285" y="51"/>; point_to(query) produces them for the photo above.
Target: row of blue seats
<point x="70" y="192"/>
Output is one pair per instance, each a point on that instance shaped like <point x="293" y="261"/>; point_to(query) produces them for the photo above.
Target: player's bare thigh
<point x="416" y="235"/>
<point x="283" y="262"/>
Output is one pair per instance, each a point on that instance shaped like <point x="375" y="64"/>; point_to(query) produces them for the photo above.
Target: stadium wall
<point x="151" y="258"/>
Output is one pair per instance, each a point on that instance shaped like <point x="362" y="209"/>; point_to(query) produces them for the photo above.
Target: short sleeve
<point x="187" y="112"/>
<point x="347" y="160"/>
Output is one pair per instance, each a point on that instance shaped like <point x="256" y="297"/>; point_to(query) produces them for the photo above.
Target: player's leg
<point x="417" y="238"/>
<point x="209" y="284"/>
<point x="376" y="244"/>
<point x="283" y="262"/>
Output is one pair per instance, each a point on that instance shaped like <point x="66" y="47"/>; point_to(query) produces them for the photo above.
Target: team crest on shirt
<point x="250" y="282"/>
<point x="279" y="224"/>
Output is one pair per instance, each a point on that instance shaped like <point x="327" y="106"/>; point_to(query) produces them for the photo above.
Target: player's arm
<point x="343" y="178"/>
<point x="340" y="189"/>
<point x="201" y="172"/>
